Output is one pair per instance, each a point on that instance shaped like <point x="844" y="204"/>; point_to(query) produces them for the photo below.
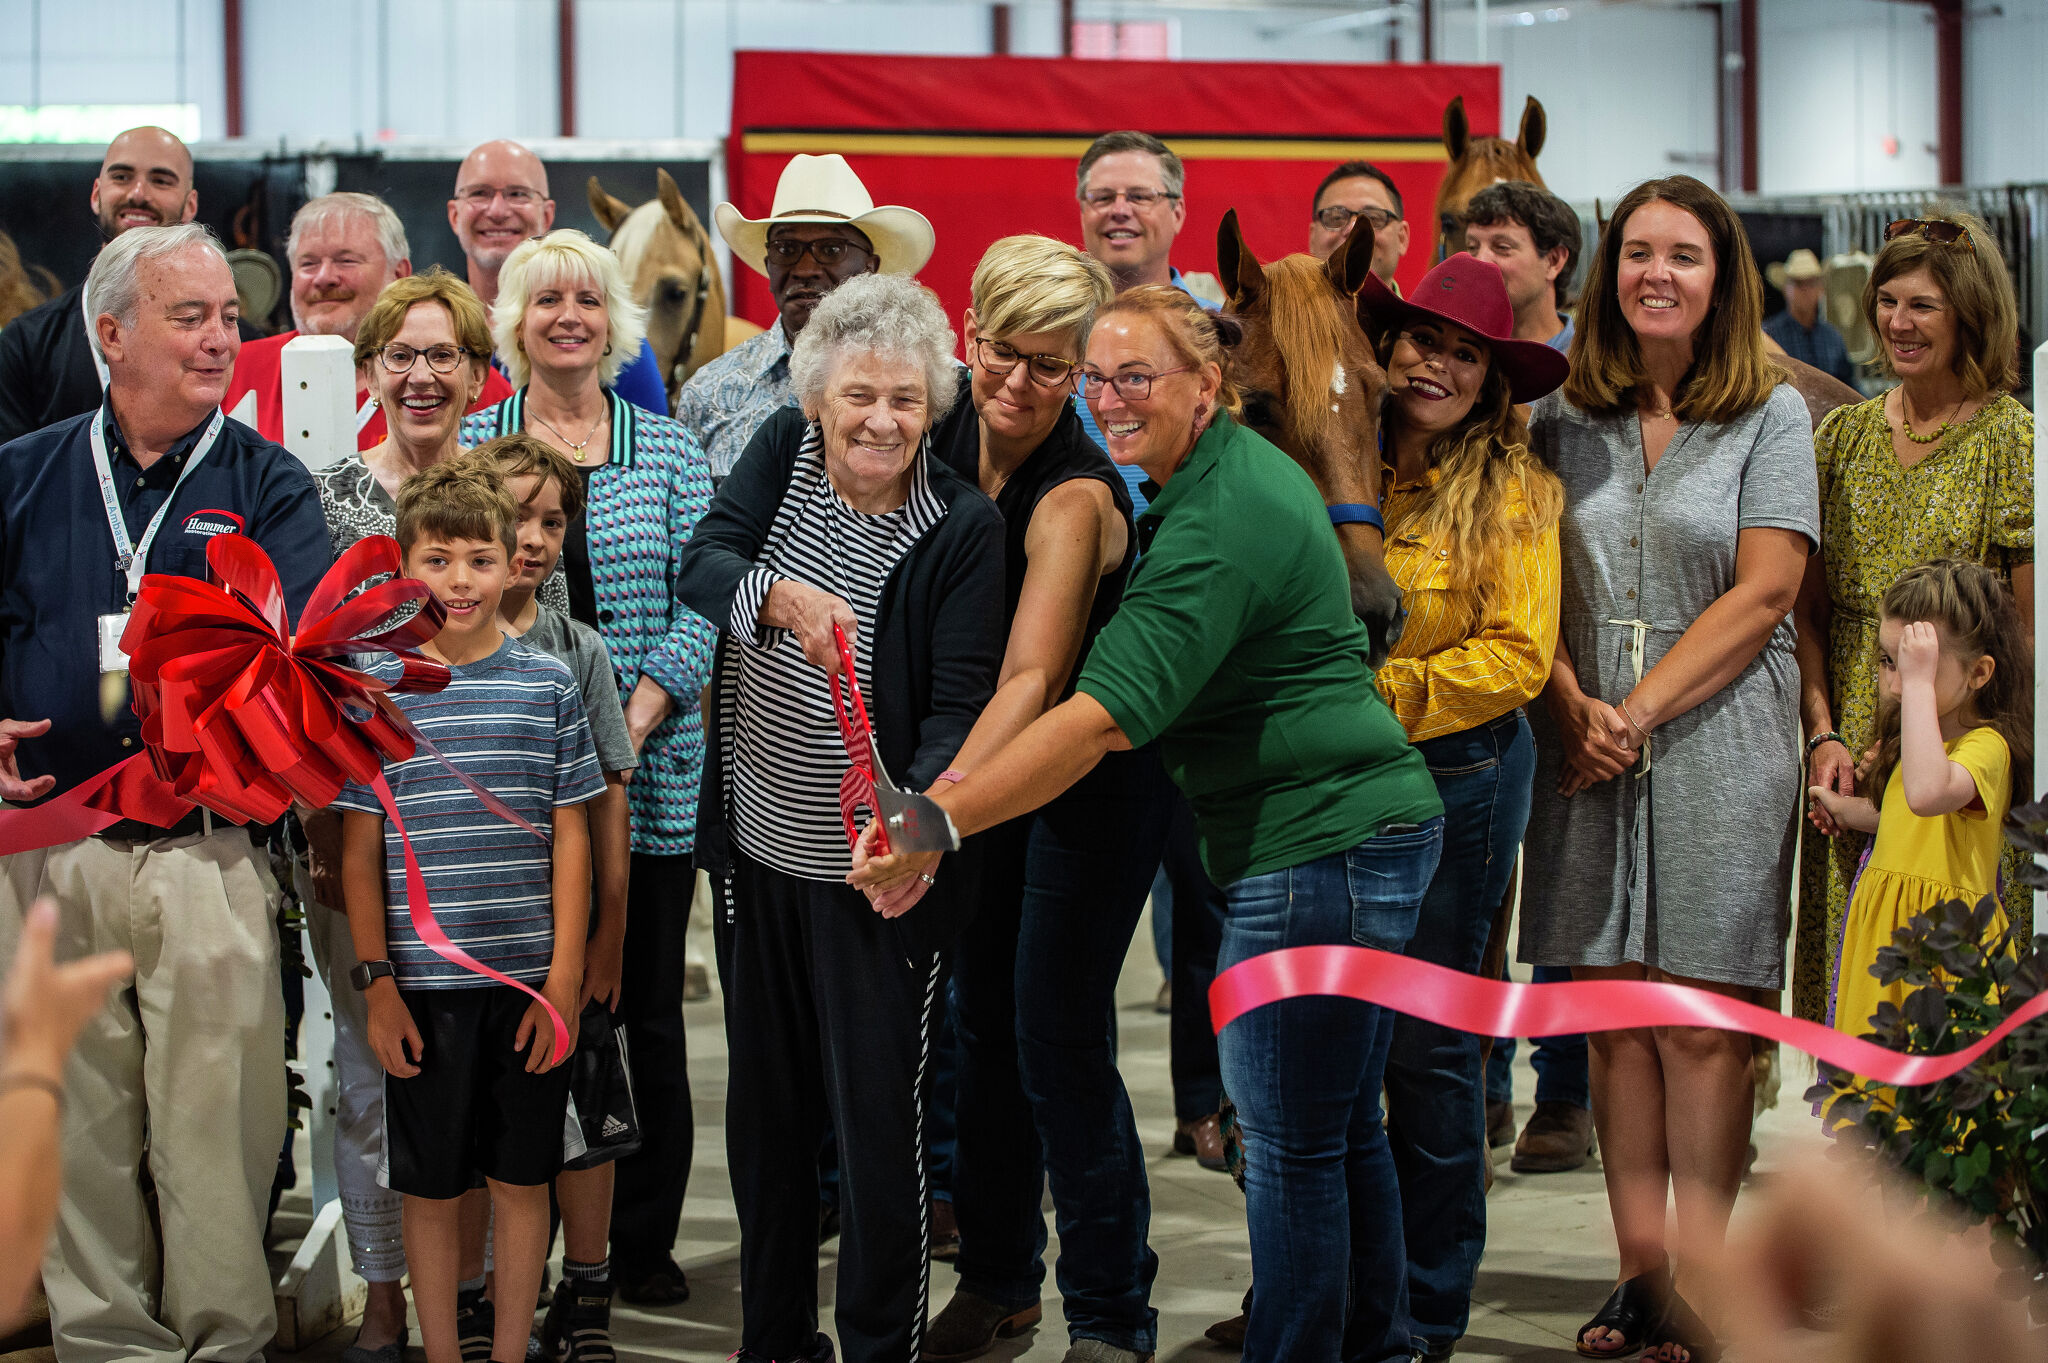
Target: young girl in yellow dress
<point x="1955" y="726"/>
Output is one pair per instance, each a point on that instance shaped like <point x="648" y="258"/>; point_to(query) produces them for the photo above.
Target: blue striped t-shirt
<point x="514" y="723"/>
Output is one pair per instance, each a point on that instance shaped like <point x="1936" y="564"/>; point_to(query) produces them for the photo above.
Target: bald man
<point x="47" y="367"/>
<point x="500" y="200"/>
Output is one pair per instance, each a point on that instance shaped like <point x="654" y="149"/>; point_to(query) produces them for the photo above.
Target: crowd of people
<point x="1653" y="618"/>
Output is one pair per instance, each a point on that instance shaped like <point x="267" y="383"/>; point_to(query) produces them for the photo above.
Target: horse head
<point x="1313" y="387"/>
<point x="1477" y="162"/>
<point x="673" y="274"/>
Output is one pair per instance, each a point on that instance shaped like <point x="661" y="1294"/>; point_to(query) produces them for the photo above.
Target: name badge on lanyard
<point x="131" y="557"/>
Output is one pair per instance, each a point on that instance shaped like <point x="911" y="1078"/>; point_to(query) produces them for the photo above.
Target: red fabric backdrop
<point x="986" y="146"/>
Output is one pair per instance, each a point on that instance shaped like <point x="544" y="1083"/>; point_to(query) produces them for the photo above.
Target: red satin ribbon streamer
<point x="244" y="717"/>
<point x="1497" y="1008"/>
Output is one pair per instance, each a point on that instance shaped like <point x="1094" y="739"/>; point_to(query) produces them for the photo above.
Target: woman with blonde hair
<point x="1667" y="776"/>
<point x="1035" y="969"/>
<point x="1472" y="541"/>
<point x="1236" y="649"/>
<point x="566" y="324"/>
<point x="1940" y="466"/>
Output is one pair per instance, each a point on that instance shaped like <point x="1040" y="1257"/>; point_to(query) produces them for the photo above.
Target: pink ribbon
<point x="1497" y="1008"/>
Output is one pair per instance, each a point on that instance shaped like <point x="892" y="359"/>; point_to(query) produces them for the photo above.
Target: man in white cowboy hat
<point x="823" y="230"/>
<point x="1805" y="334"/>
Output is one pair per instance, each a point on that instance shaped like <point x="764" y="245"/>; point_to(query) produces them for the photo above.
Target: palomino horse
<point x="1312" y="386"/>
<point x="1477" y="162"/>
<point x="674" y="275"/>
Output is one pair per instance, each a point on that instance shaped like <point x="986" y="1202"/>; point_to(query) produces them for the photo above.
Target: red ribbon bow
<point x="244" y="717"/>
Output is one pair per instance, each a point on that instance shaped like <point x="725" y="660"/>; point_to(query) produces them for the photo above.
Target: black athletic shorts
<point x="472" y="1109"/>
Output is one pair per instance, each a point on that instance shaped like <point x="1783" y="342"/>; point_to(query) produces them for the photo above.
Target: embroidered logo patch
<point x="211" y="523"/>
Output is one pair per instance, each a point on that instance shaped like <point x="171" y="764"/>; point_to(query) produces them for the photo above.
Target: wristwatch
<point x="367" y="971"/>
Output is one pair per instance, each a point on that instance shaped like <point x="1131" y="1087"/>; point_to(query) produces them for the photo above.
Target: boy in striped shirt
<point x="475" y="1084"/>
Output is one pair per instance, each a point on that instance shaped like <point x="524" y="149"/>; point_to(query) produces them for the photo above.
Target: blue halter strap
<point x="1357" y="513"/>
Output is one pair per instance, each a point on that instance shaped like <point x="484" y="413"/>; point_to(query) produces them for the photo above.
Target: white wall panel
<point x="1836" y="78"/>
<point x="1628" y="91"/>
<point x="2005" y="71"/>
<point x="1630" y="88"/>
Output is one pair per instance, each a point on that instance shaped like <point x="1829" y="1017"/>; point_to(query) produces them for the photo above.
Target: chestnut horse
<point x="1477" y="162"/>
<point x="1313" y="387"/>
<point x="673" y="274"/>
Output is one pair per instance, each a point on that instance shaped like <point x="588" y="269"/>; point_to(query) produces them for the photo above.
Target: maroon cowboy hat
<point x="1467" y="292"/>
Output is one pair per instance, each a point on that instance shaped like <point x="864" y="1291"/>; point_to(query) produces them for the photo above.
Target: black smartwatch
<point x="367" y="971"/>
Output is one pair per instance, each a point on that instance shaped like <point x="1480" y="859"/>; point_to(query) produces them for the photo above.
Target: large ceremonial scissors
<point x="910" y="822"/>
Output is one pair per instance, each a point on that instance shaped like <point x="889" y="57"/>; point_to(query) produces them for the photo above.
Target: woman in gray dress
<point x="1668" y="782"/>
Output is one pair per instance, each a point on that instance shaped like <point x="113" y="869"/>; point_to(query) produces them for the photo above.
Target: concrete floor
<point x="1549" y="1261"/>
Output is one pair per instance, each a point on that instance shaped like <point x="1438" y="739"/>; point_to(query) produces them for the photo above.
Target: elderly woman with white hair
<point x="565" y="324"/>
<point x="837" y="514"/>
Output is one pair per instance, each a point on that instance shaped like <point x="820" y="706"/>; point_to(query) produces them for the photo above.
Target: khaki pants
<point x="190" y="1057"/>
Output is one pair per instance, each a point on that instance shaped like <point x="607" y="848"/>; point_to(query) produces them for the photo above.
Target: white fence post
<point x="320" y="1290"/>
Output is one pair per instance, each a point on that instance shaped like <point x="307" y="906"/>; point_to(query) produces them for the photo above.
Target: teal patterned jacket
<point x="645" y="501"/>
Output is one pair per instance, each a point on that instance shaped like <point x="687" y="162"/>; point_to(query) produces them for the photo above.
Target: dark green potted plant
<point x="1976" y="1143"/>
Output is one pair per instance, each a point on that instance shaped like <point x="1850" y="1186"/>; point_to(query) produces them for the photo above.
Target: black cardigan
<point x="937" y="645"/>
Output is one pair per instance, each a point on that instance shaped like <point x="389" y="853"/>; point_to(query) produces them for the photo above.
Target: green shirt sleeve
<point x="1184" y="611"/>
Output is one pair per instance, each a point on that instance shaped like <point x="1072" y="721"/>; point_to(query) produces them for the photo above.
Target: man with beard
<point x="343" y="249"/>
<point x="822" y="230"/>
<point x="501" y="199"/>
<point x="48" y="369"/>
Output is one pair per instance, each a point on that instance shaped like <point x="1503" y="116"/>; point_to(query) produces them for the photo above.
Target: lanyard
<point x="132" y="557"/>
<point x="99" y="361"/>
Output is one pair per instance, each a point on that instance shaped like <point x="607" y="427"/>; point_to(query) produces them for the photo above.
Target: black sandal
<point x="1635" y="1310"/>
<point x="1683" y="1328"/>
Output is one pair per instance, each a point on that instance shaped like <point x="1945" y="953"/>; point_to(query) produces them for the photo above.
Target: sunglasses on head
<point x="1934" y="229"/>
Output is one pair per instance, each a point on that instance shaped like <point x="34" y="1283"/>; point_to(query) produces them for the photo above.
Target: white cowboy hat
<point x="824" y="189"/>
<point x="1801" y="264"/>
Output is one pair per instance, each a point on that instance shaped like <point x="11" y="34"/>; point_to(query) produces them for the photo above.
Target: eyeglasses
<point x="1102" y="200"/>
<point x="827" y="251"/>
<point x="1337" y="217"/>
<point x="442" y="359"/>
<point x="519" y="196"/>
<point x="1134" y="386"/>
<point x="1047" y="371"/>
<point x="1934" y="229"/>
<point x="857" y="787"/>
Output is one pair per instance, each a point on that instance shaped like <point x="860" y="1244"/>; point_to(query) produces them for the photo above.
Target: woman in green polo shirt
<point x="1236" y="649"/>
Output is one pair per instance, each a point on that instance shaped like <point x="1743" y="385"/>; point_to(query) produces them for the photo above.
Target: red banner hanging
<point x="986" y="146"/>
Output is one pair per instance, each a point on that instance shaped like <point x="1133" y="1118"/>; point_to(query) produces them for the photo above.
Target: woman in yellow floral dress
<point x="1941" y="466"/>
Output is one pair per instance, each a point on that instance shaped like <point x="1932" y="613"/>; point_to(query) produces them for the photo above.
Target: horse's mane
<point x="637" y="233"/>
<point x="1308" y="322"/>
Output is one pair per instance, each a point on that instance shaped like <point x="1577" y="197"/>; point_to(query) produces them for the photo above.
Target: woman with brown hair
<point x="1668" y="773"/>
<point x="1941" y="466"/>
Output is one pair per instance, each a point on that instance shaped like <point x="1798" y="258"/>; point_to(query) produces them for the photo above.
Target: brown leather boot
<point x="1202" y="1138"/>
<point x="1559" y="1138"/>
<point x="970" y="1326"/>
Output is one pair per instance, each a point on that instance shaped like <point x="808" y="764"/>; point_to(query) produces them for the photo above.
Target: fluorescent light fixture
<point x="93" y="122"/>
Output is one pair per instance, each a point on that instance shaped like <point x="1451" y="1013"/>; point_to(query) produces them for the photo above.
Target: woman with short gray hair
<point x="837" y="516"/>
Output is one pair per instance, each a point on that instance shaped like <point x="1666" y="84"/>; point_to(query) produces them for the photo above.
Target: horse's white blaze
<point x="1337" y="384"/>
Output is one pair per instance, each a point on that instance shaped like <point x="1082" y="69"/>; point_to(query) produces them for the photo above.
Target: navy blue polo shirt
<point x="57" y="573"/>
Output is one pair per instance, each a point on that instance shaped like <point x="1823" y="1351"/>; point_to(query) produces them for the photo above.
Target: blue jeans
<point x="1038" y="1094"/>
<point x="1559" y="1061"/>
<point x="1329" y="1262"/>
<point x="1436" y="1101"/>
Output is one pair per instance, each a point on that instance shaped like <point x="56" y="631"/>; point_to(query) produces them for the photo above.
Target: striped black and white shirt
<point x="787" y="756"/>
